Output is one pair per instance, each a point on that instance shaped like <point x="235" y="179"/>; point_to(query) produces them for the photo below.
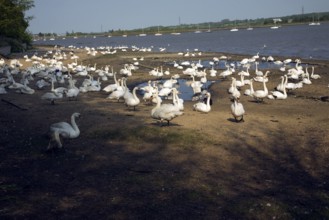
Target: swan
<point x="237" y="110"/>
<point x="280" y="95"/>
<point x="292" y="86"/>
<point x="14" y="84"/>
<point x="213" y="72"/>
<point x="314" y="76"/>
<point x="112" y="87"/>
<point x="42" y="83"/>
<point x="52" y="96"/>
<point x="259" y="95"/>
<point x="227" y="72"/>
<point x="58" y="89"/>
<point x="117" y="94"/>
<point x="258" y="72"/>
<point x="64" y="130"/>
<point x="3" y="89"/>
<point x="72" y="91"/>
<point x="132" y="100"/>
<point x="250" y="92"/>
<point x="196" y="86"/>
<point x="203" y="107"/>
<point x="306" y="80"/>
<point x="177" y="101"/>
<point x="240" y="83"/>
<point x="26" y="89"/>
<point x="262" y="78"/>
<point x="169" y="83"/>
<point x="164" y="92"/>
<point x="281" y="86"/>
<point x="233" y="89"/>
<point x="165" y="112"/>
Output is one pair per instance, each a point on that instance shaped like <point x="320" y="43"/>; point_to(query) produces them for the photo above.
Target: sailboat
<point x="235" y="28"/>
<point x="209" y="30"/>
<point x="158" y="33"/>
<point x="249" y="27"/>
<point x="142" y="34"/>
<point x="314" y="23"/>
<point x="276" y="20"/>
<point x="197" y="31"/>
<point x="52" y="37"/>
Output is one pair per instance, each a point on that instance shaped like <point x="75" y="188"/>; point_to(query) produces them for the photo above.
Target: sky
<point x="61" y="16"/>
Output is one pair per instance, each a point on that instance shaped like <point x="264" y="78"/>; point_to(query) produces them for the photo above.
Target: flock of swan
<point x="50" y="69"/>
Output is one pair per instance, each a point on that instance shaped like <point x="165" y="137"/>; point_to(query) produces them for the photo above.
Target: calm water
<point x="302" y="41"/>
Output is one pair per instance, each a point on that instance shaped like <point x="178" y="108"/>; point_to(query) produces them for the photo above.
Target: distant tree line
<point x="14" y="24"/>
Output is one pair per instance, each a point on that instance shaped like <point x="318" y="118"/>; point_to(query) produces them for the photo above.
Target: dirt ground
<point x="124" y="165"/>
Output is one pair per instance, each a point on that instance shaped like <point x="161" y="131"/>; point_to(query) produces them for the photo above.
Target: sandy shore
<point x="124" y="165"/>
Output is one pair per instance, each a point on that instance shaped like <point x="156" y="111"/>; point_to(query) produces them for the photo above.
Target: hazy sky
<point x="61" y="16"/>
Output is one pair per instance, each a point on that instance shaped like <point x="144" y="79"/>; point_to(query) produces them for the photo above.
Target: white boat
<point x="209" y="30"/>
<point x="197" y="31"/>
<point x="314" y="23"/>
<point x="234" y="29"/>
<point x="142" y="34"/>
<point x="275" y="20"/>
<point x="158" y="33"/>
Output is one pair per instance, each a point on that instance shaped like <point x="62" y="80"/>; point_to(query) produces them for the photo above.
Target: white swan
<point x="213" y="72"/>
<point x="314" y="76"/>
<point x="227" y="72"/>
<point x="259" y="95"/>
<point x="42" y="83"/>
<point x="169" y="83"/>
<point x="240" y="83"/>
<point x="250" y="92"/>
<point x="203" y="107"/>
<point x="117" y="94"/>
<point x="196" y="85"/>
<point x="112" y="87"/>
<point x="262" y="78"/>
<point x="281" y="86"/>
<point x="233" y="89"/>
<point x="165" y="112"/>
<point x="306" y="80"/>
<point x="177" y="101"/>
<point x="52" y="96"/>
<point x="72" y="91"/>
<point x="258" y="72"/>
<point x="132" y="100"/>
<point x="280" y="95"/>
<point x="237" y="110"/>
<point x="64" y="130"/>
<point x="3" y="89"/>
<point x="26" y="89"/>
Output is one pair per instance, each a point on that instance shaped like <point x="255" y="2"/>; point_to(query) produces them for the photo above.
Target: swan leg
<point x="239" y="120"/>
<point x="57" y="139"/>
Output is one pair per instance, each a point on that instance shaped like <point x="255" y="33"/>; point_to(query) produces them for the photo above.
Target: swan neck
<point x="74" y="124"/>
<point x="208" y="100"/>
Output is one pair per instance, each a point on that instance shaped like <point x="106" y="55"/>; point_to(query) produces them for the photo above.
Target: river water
<point x="303" y="41"/>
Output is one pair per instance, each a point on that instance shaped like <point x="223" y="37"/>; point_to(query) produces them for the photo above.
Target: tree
<point x="14" y="24"/>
